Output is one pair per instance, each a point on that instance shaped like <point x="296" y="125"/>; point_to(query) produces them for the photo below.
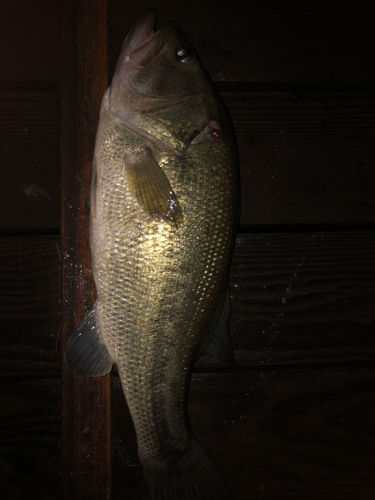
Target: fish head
<point x="158" y="70"/>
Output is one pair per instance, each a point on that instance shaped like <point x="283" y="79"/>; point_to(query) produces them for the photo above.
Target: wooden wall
<point x="296" y="418"/>
<point x="30" y="355"/>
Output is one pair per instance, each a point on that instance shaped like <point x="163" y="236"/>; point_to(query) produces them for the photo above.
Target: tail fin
<point x="195" y="477"/>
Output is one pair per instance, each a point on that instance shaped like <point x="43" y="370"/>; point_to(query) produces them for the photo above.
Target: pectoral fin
<point x="86" y="354"/>
<point x="152" y="189"/>
<point x="220" y="345"/>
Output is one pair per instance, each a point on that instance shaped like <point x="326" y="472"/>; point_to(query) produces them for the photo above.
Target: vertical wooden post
<point x="85" y="402"/>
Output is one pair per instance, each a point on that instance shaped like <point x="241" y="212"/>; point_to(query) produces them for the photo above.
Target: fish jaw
<point x="140" y="33"/>
<point x="155" y="70"/>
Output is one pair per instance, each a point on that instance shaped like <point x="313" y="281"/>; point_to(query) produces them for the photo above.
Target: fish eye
<point x="185" y="55"/>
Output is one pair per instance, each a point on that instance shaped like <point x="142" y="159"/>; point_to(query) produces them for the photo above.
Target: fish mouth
<point x="144" y="43"/>
<point x="141" y="32"/>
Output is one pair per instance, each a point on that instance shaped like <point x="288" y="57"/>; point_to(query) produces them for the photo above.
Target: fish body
<point x="164" y="211"/>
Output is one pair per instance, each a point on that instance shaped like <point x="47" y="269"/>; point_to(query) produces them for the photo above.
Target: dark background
<point x="295" y="420"/>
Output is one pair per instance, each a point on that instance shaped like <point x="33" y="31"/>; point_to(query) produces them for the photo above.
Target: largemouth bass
<point x="164" y="211"/>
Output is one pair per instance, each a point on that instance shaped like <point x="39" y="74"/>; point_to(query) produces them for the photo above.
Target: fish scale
<point x="164" y="211"/>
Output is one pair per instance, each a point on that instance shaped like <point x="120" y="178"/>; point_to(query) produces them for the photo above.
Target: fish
<point x="164" y="210"/>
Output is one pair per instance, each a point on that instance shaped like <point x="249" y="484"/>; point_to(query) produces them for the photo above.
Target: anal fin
<point x="86" y="353"/>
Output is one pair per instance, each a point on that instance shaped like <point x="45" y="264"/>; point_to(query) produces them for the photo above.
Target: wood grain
<point x="273" y="434"/>
<point x="265" y="40"/>
<point x="304" y="293"/>
<point x="85" y="402"/>
<point x="29" y="160"/>
<point x="30" y="435"/>
<point x="296" y="298"/>
<point x="29" y="48"/>
<point x="305" y="158"/>
<point x="289" y="434"/>
<point x="30" y="305"/>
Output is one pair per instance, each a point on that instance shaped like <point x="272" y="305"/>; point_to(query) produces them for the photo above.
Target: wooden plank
<point x="29" y="48"/>
<point x="30" y="305"/>
<point x="289" y="434"/>
<point x="265" y="41"/>
<point x="304" y="296"/>
<point x="30" y="434"/>
<point x="29" y="160"/>
<point x="306" y="158"/>
<point x="285" y="434"/>
<point x="85" y="402"/>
